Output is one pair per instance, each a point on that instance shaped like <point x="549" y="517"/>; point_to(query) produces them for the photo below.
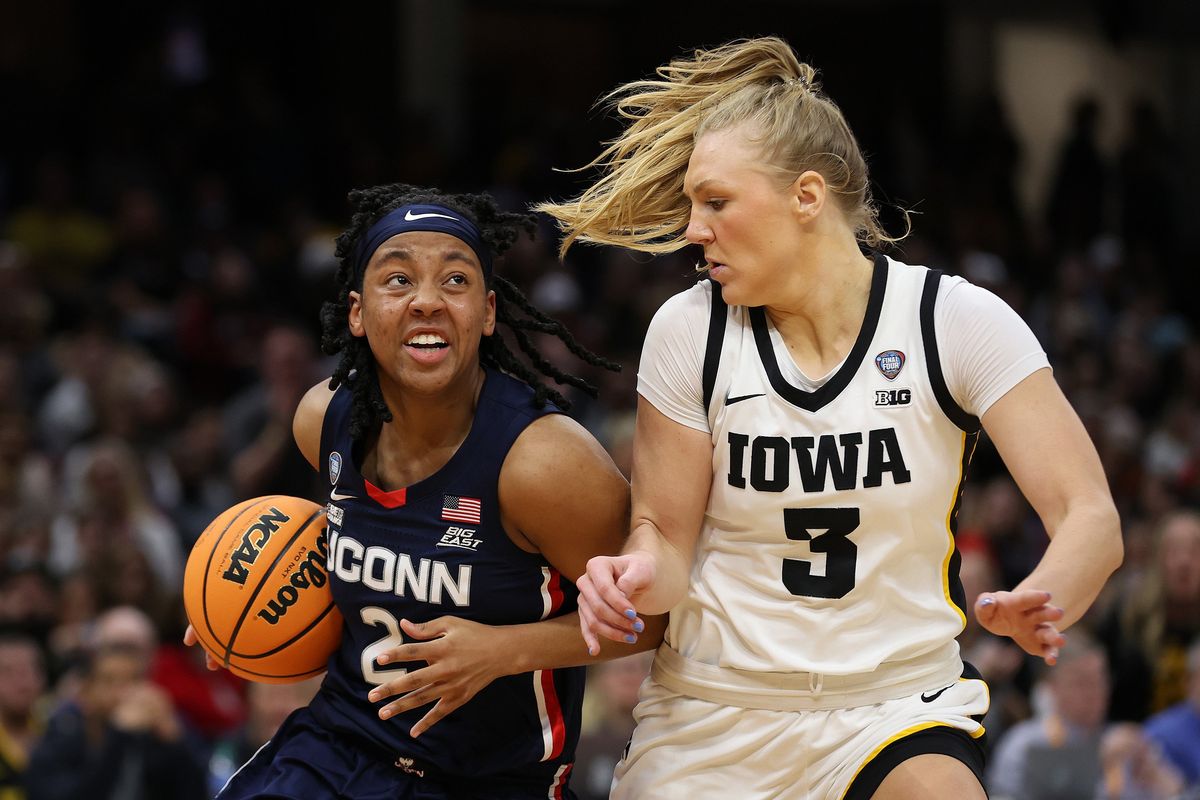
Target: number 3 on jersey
<point x="841" y="554"/>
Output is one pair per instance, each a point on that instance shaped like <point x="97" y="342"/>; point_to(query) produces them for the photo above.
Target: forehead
<point x="727" y="156"/>
<point x="424" y="248"/>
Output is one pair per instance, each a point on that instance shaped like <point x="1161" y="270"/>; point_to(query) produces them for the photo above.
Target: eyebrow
<point x="699" y="185"/>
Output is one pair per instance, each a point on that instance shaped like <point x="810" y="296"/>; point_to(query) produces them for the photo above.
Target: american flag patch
<point x="460" y="509"/>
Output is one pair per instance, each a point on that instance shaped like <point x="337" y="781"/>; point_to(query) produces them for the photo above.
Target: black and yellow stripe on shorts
<point x="923" y="739"/>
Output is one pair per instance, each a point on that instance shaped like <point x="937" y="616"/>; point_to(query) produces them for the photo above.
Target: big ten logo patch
<point x="893" y="397"/>
<point x="463" y="538"/>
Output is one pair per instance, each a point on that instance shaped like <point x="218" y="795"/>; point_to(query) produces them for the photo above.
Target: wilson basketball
<point x="257" y="593"/>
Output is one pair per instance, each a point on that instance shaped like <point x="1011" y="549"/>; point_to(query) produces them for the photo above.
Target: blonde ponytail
<point x="638" y="201"/>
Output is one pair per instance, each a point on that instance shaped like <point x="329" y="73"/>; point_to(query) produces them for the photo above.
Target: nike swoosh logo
<point x="929" y="698"/>
<point x="410" y="217"/>
<point x="333" y="495"/>
<point x="731" y="400"/>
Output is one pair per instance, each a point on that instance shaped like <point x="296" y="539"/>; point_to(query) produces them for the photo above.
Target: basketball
<point x="257" y="593"/>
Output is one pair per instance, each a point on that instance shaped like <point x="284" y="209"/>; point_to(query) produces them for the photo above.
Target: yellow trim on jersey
<point x="950" y="534"/>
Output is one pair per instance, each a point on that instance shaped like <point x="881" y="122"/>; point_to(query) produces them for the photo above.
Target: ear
<point x="489" y="316"/>
<point x="808" y="192"/>
<point x="355" y="317"/>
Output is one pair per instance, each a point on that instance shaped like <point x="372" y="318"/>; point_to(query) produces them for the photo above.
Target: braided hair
<point x="499" y="230"/>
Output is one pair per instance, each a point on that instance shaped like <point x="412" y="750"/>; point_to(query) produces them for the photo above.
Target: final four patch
<point x="335" y="466"/>
<point x="890" y="362"/>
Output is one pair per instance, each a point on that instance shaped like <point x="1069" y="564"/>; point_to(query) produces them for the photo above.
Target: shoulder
<point x="692" y="303"/>
<point x="958" y="298"/>
<point x="309" y="417"/>
<point x="554" y="449"/>
<point x="680" y="325"/>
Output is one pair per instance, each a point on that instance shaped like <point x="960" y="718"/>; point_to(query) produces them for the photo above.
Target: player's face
<point x="740" y="215"/>
<point x="423" y="308"/>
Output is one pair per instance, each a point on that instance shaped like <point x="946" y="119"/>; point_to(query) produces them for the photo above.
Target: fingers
<point x="1049" y="640"/>
<point x="604" y="616"/>
<point x="189" y="636"/>
<point x="587" y="626"/>
<point x="418" y="697"/>
<point x="435" y="715"/>
<point x="425" y="630"/>
<point x="1027" y="599"/>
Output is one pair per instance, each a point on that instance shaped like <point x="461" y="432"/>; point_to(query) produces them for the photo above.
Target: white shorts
<point x="693" y="749"/>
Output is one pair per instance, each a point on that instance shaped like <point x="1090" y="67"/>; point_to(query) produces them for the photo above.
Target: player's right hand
<point x="608" y="594"/>
<point x="190" y="638"/>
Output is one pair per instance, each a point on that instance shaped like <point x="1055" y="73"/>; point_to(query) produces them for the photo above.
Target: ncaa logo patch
<point x="890" y="362"/>
<point x="335" y="466"/>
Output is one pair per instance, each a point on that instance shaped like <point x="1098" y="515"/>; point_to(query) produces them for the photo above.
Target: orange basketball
<point x="257" y="593"/>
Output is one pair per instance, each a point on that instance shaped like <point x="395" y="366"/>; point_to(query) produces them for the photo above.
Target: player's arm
<point x="1047" y="450"/>
<point x="561" y="495"/>
<point x="672" y="475"/>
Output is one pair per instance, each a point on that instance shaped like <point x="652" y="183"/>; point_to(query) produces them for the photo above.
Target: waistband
<point x="805" y="691"/>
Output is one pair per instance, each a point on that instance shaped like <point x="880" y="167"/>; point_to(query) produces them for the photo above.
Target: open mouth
<point x="427" y="341"/>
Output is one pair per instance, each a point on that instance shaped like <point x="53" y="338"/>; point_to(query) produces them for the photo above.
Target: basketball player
<point x="461" y="510"/>
<point x="804" y="425"/>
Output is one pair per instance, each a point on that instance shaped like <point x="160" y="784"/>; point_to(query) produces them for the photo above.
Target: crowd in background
<point x="162" y="273"/>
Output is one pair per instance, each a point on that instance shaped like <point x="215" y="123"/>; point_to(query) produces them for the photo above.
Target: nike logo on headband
<point x="411" y="217"/>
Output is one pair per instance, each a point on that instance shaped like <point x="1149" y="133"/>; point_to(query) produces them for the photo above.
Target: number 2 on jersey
<point x="841" y="554"/>
<point x="374" y="615"/>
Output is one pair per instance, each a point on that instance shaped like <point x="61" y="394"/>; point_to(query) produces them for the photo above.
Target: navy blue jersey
<point x="438" y="548"/>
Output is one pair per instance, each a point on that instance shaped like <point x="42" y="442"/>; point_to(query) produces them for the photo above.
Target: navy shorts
<point x="306" y="761"/>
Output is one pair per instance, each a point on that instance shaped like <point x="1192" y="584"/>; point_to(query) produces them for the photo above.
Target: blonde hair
<point x="638" y="201"/>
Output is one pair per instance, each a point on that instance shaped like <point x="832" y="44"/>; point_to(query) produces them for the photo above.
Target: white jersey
<point x="828" y="543"/>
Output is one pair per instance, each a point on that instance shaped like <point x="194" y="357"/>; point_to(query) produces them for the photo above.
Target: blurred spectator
<point x="996" y="518"/>
<point x="201" y="480"/>
<point x="65" y="241"/>
<point x="612" y="692"/>
<point x="22" y="685"/>
<point x="108" y="511"/>
<point x="1076" y="211"/>
<point x="28" y="601"/>
<point x="1134" y="768"/>
<point x="268" y="705"/>
<point x="119" y="739"/>
<point x="1056" y="755"/>
<point x="212" y="702"/>
<point x="264" y="458"/>
<point x="1147" y="171"/>
<point x="1149" y="631"/>
<point x="1176" y="730"/>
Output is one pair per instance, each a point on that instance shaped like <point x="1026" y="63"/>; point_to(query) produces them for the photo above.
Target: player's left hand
<point x="1026" y="617"/>
<point x="462" y="657"/>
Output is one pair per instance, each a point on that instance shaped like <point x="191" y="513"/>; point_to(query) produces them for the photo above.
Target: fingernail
<point x="593" y="651"/>
<point x="987" y="601"/>
<point x="383" y="659"/>
<point x="373" y="696"/>
<point x="1054" y="654"/>
<point x="629" y="637"/>
<point x="638" y="626"/>
<point x="630" y="613"/>
<point x="384" y="713"/>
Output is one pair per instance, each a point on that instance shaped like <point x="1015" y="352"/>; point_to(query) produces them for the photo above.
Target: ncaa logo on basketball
<point x="335" y="466"/>
<point x="890" y="362"/>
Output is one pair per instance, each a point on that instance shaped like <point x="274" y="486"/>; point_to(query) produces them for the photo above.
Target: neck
<point x="425" y="431"/>
<point x="823" y="301"/>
